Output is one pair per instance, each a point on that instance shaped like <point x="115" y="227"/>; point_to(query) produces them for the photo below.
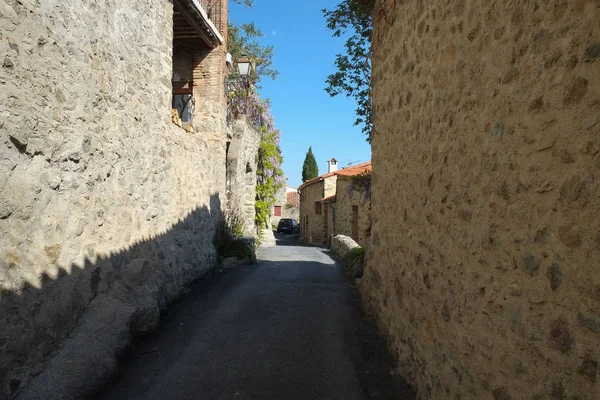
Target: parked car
<point x="288" y="225"/>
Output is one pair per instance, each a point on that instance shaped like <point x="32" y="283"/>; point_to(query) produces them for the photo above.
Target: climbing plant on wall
<point x="354" y="19"/>
<point x="269" y="176"/>
<point x="245" y="99"/>
<point x="247" y="39"/>
<point x="360" y="184"/>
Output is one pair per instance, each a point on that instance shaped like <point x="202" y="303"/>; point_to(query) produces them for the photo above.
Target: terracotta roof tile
<point x="355" y="169"/>
<point x="348" y="171"/>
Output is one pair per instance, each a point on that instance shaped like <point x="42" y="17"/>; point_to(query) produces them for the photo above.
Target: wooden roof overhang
<point x="190" y="21"/>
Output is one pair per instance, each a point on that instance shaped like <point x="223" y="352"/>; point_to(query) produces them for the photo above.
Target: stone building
<point x="286" y="205"/>
<point x="322" y="217"/>
<point x="350" y="211"/>
<point x="242" y="149"/>
<point x="110" y="197"/>
<point x="483" y="264"/>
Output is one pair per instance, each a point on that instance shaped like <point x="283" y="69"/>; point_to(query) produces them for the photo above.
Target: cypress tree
<point x="310" y="169"/>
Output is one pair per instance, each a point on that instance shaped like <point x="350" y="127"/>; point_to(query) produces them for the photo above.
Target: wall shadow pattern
<point x="64" y="339"/>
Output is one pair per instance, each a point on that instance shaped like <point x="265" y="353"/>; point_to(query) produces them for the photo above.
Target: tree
<point x="353" y="75"/>
<point x="243" y="39"/>
<point x="310" y="170"/>
<point x="244" y="99"/>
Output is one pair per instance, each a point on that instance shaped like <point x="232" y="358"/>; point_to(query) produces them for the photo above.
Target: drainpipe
<point x="333" y="221"/>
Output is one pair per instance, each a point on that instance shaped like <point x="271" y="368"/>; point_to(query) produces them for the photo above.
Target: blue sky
<point x="304" y="53"/>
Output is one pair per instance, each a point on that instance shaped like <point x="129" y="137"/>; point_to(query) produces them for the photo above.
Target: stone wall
<point x="289" y="209"/>
<point x="329" y="186"/>
<point x="313" y="231"/>
<point x="483" y="265"/>
<point x="241" y="172"/>
<point x="107" y="208"/>
<point x="343" y="215"/>
<point x="341" y="246"/>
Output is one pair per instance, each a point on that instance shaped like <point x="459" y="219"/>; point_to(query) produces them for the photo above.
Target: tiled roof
<point x="348" y="171"/>
<point x="355" y="169"/>
<point x="329" y="198"/>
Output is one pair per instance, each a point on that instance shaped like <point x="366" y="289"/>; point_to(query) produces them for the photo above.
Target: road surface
<point x="288" y="327"/>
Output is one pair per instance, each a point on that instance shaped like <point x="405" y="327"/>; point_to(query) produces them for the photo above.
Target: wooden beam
<point x="191" y="21"/>
<point x="183" y="91"/>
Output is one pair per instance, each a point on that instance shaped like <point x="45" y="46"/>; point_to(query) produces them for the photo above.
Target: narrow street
<point x="288" y="327"/>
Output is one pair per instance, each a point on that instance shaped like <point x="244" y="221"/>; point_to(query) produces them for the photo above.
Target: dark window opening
<point x="183" y="104"/>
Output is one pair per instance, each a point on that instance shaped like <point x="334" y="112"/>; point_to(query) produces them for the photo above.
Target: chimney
<point x="332" y="165"/>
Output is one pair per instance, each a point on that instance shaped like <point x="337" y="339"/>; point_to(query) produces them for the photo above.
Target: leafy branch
<point x="353" y="75"/>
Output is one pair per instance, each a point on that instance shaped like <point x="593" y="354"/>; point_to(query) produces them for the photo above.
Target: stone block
<point x="487" y="178"/>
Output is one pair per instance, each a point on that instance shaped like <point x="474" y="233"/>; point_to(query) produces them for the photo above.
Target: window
<point x="184" y="105"/>
<point x="317" y="207"/>
<point x="277" y="211"/>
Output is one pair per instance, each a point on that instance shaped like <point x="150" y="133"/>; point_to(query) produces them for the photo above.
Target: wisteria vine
<point x="269" y="175"/>
<point x="360" y="184"/>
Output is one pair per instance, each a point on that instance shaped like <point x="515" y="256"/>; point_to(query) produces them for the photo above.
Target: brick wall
<point x="210" y="70"/>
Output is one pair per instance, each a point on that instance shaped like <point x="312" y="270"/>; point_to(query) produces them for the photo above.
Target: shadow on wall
<point x="99" y="305"/>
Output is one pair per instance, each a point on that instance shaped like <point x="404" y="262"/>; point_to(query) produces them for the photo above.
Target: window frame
<point x="318" y="208"/>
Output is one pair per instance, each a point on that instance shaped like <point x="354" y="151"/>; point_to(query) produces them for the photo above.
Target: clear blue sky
<point x="304" y="53"/>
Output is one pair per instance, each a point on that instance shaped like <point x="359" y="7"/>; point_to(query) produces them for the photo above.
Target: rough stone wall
<point x="343" y="213"/>
<point x="341" y="245"/>
<point x="241" y="172"/>
<point x="279" y="201"/>
<point x="288" y="210"/>
<point x="483" y="265"/>
<point x="102" y="196"/>
<point x="329" y="186"/>
<point x="310" y="195"/>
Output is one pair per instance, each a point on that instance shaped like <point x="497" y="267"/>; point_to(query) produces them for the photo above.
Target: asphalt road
<point x="288" y="327"/>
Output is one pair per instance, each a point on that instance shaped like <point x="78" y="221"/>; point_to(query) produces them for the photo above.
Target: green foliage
<point x="227" y="237"/>
<point x="353" y="261"/>
<point x="243" y="39"/>
<point x="354" y="255"/>
<point x="268" y="175"/>
<point x="361" y="184"/>
<point x="353" y="19"/>
<point x="310" y="170"/>
<point x="247" y="3"/>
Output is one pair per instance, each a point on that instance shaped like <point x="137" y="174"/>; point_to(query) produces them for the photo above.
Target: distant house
<point x="327" y="208"/>
<point x="286" y="205"/>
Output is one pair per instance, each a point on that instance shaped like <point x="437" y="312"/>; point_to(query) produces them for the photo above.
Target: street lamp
<point x="244" y="66"/>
